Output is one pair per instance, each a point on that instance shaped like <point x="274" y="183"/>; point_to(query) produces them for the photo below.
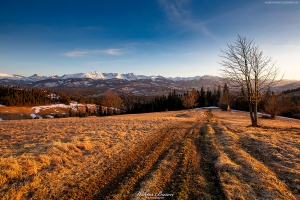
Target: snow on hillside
<point x="72" y="106"/>
<point x="32" y="78"/>
<point x="92" y="75"/>
<point x="184" y="78"/>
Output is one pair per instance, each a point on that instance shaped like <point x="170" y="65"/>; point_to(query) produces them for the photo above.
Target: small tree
<point x="111" y="99"/>
<point x="225" y="97"/>
<point x="278" y="104"/>
<point x="189" y="100"/>
<point x="245" y="66"/>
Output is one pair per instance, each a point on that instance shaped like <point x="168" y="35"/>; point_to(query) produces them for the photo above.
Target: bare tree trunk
<point x="255" y="114"/>
<point x="256" y="94"/>
<point x="251" y="113"/>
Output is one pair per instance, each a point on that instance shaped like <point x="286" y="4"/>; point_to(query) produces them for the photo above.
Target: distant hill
<point x="95" y="83"/>
<point x="293" y="92"/>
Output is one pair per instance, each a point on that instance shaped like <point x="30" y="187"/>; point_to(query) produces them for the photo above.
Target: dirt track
<point x="170" y="164"/>
<point x="174" y="164"/>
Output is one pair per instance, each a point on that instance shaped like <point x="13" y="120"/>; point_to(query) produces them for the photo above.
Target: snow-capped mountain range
<point x="95" y="83"/>
<point x="98" y="75"/>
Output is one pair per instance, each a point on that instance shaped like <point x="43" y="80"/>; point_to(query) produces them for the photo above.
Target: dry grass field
<point x="197" y="154"/>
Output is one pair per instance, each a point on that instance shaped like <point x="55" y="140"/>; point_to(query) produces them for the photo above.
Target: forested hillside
<point x="20" y="96"/>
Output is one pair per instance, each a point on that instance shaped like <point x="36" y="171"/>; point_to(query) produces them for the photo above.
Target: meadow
<point x="190" y="154"/>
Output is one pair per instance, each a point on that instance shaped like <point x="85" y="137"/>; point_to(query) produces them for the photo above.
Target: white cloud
<point x="5" y="75"/>
<point x="79" y="53"/>
<point x="179" y="11"/>
<point x="176" y="9"/>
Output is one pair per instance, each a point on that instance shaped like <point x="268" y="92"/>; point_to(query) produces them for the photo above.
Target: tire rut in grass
<point x="207" y="163"/>
<point x="171" y="186"/>
<point x="154" y="180"/>
<point x="188" y="181"/>
<point x="123" y="184"/>
<point x="111" y="175"/>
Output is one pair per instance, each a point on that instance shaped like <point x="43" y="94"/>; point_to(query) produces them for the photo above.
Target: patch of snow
<point x="36" y="116"/>
<point x="233" y="110"/>
<point x="39" y="116"/>
<point x="37" y="109"/>
<point x="2" y="105"/>
<point x="86" y="83"/>
<point x="50" y="116"/>
<point x="33" y="78"/>
<point x="72" y="105"/>
<point x="51" y="84"/>
<point x="76" y="75"/>
<point x="287" y="118"/>
<point x="184" y="78"/>
<point x="95" y="75"/>
<point x="211" y="107"/>
<point x="33" y="116"/>
<point x="91" y="75"/>
<point x="267" y="115"/>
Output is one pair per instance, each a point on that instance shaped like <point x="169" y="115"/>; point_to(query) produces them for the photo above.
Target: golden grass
<point x="44" y="158"/>
<point x="72" y="158"/>
<point x="257" y="162"/>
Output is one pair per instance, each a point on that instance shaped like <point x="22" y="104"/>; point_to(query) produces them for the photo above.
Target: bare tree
<point x="277" y="104"/>
<point x="246" y="66"/>
<point x="111" y="99"/>
<point x="189" y="100"/>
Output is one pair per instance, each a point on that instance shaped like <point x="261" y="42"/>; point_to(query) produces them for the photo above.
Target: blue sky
<point x="155" y="37"/>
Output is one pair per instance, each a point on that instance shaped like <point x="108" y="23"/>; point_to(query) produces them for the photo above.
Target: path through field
<point x="174" y="164"/>
<point x="199" y="160"/>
